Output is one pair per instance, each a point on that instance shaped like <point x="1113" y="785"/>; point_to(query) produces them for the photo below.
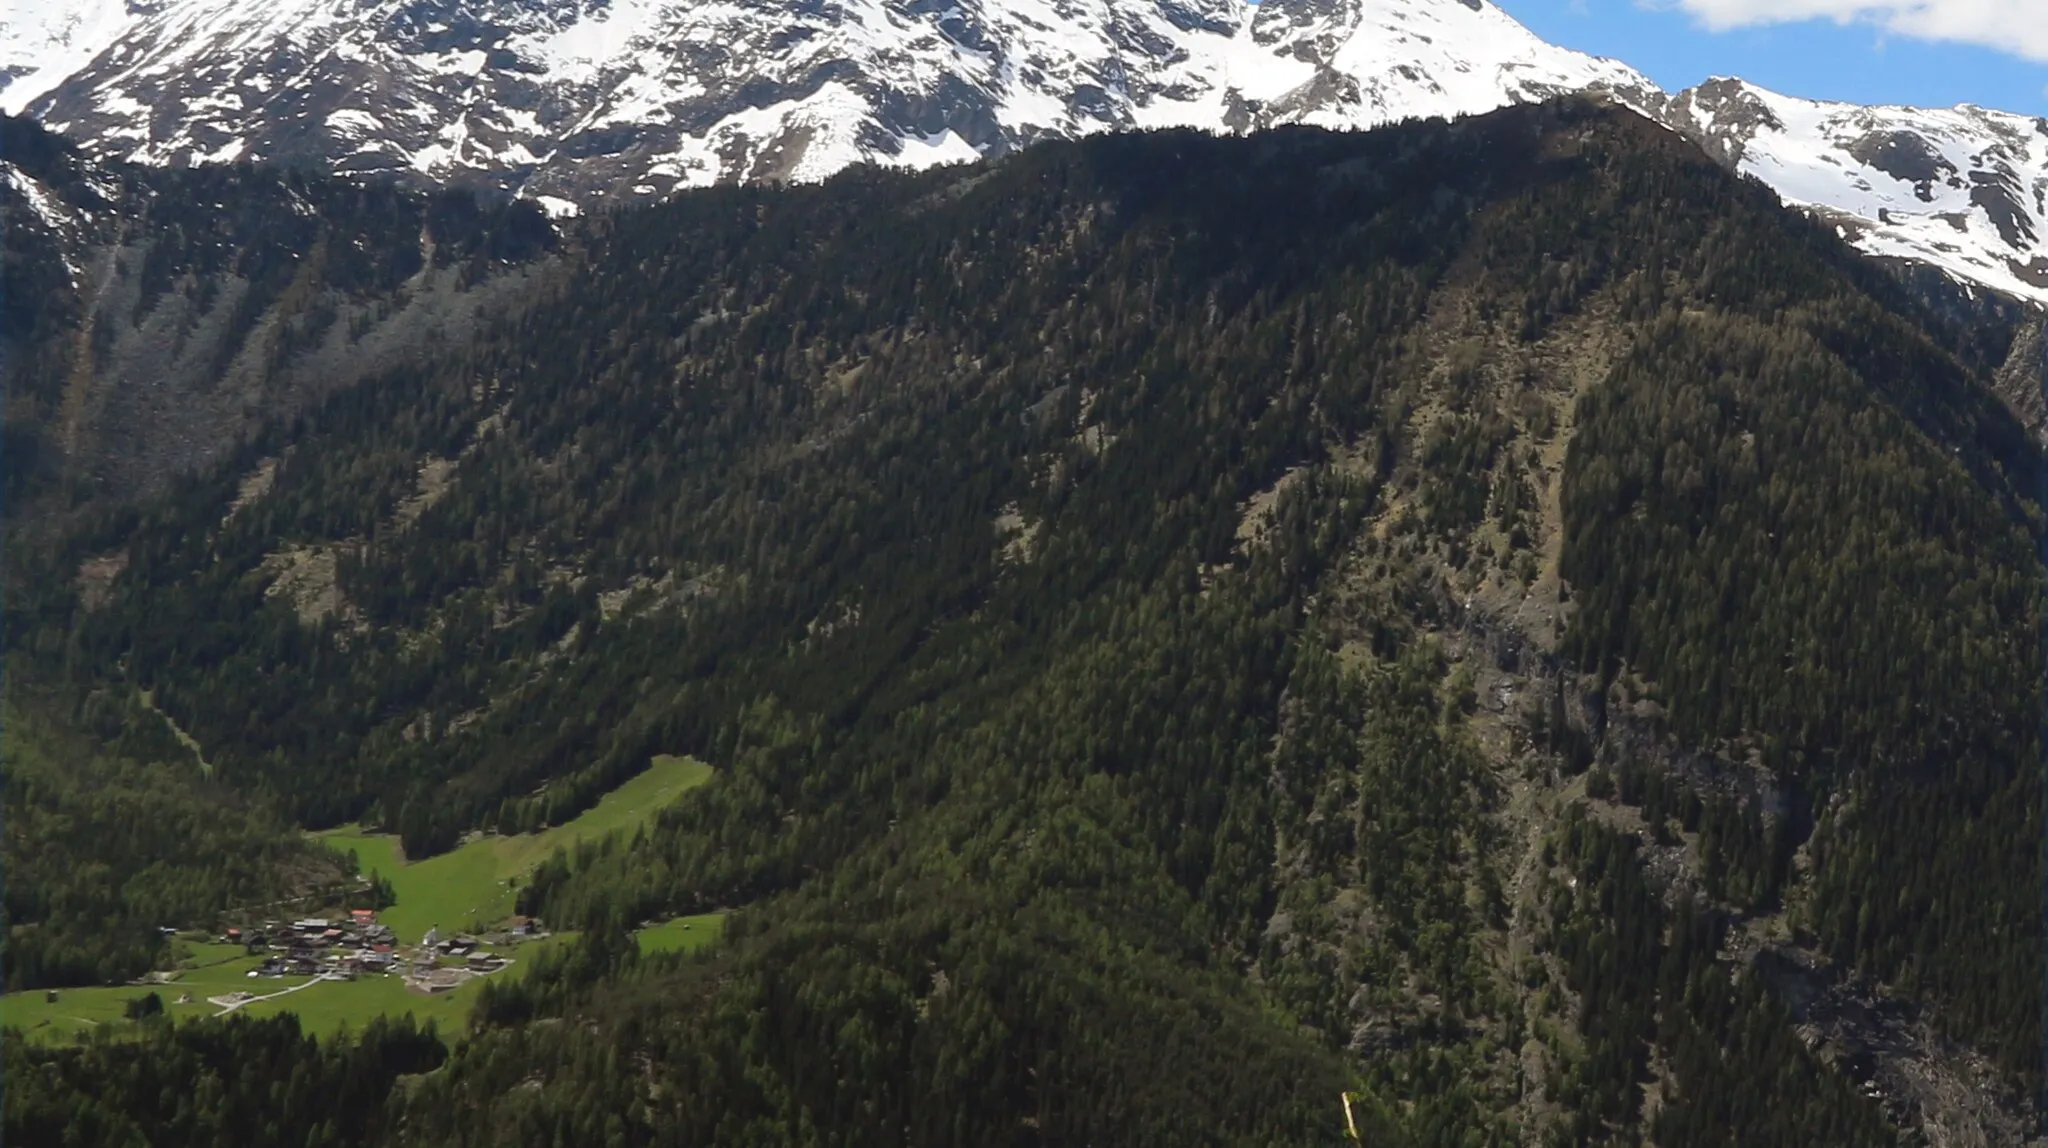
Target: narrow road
<point x="228" y="1008"/>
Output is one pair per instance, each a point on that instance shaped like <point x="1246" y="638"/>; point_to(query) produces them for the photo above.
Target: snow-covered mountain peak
<point x="1365" y="62"/>
<point x="578" y="103"/>
<point x="585" y="100"/>
<point x="1964" y="189"/>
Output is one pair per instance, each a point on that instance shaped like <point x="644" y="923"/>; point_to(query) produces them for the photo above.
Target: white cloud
<point x="2016" y="26"/>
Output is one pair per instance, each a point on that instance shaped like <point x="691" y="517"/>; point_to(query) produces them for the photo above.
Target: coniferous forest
<point x="1497" y="617"/>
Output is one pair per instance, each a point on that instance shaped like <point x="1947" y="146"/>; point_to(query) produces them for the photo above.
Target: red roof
<point x="362" y="914"/>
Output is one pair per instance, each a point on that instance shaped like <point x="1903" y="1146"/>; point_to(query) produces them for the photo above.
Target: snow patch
<point x="353" y="122"/>
<point x="557" y="207"/>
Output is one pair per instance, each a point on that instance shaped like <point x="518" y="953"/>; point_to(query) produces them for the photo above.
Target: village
<point x="422" y="942"/>
<point x="357" y="945"/>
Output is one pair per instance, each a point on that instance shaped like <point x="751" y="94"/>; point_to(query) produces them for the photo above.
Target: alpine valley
<point x="1007" y="572"/>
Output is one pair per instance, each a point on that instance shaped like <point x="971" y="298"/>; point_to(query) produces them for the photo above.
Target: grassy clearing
<point x="77" y="1011"/>
<point x="683" y="934"/>
<point x="474" y="885"/>
<point x="456" y="890"/>
<point x="83" y="1010"/>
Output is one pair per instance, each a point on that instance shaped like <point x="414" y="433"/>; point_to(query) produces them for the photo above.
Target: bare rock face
<point x="2023" y="381"/>
<point x="1946" y="1093"/>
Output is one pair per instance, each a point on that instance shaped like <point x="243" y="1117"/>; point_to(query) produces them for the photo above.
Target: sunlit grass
<point x="683" y="934"/>
<point x="472" y="886"/>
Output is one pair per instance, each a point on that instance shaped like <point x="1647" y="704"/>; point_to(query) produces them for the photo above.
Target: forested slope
<point x="155" y="316"/>
<point x="1184" y="626"/>
<point x="113" y="832"/>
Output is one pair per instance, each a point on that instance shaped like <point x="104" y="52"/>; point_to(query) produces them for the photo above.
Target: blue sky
<point x="1818" y="59"/>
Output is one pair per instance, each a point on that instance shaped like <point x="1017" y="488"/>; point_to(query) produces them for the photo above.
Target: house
<point x="485" y="962"/>
<point x="362" y="917"/>
<point x="311" y="925"/>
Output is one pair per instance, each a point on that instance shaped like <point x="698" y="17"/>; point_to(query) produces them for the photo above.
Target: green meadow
<point x="683" y="934"/>
<point x="474" y="885"/>
<point x="74" y="1013"/>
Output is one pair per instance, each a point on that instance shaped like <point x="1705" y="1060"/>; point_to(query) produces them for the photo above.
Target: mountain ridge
<point x="584" y="103"/>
